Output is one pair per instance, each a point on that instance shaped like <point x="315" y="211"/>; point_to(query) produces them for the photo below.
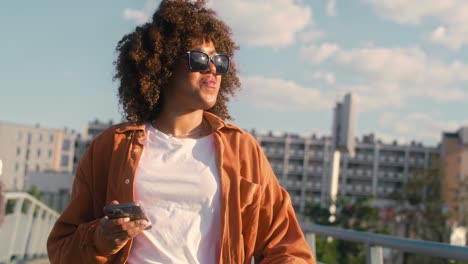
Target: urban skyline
<point x="406" y="63"/>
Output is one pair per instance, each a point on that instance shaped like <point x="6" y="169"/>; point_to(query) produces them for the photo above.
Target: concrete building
<point x="55" y="187"/>
<point x="26" y="149"/>
<point x="454" y="155"/>
<point x="302" y="165"/>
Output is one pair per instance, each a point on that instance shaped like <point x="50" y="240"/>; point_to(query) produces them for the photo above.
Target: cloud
<point x="318" y="54"/>
<point x="283" y="96"/>
<point x="331" y="8"/>
<point x="327" y="77"/>
<point x="452" y="16"/>
<point x="274" y="23"/>
<point x="140" y="16"/>
<point x="452" y="37"/>
<point x="390" y="76"/>
<point x="425" y="127"/>
<point x="310" y="35"/>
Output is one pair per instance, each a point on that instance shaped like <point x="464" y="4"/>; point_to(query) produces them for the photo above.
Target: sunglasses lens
<point x="198" y="61"/>
<point x="222" y="63"/>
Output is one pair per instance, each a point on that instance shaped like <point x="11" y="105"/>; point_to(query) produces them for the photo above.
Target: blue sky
<point x="406" y="62"/>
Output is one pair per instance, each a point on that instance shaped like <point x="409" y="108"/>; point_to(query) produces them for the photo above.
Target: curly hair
<point x="147" y="57"/>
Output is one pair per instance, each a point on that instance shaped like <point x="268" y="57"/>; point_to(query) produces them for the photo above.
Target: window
<point x="51" y="138"/>
<point x="27" y="154"/>
<point x="40" y="138"/>
<point x="64" y="161"/>
<point x="18" y="151"/>
<point x="16" y="166"/>
<point x="66" y="145"/>
<point x="37" y="167"/>
<point x="38" y="153"/>
<point x="19" y="136"/>
<point x="29" y="138"/>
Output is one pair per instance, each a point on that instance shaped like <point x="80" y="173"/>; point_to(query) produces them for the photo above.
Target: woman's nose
<point x="212" y="67"/>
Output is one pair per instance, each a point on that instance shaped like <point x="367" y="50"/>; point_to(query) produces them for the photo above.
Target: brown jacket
<point x="257" y="218"/>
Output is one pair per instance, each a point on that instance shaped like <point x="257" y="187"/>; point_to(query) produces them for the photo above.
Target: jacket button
<point x="127" y="181"/>
<point x="136" y="150"/>
<point x="129" y="137"/>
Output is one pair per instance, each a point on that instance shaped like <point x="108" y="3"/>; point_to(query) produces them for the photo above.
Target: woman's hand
<point x="113" y="234"/>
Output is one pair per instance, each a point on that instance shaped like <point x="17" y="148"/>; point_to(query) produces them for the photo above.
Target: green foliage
<point x="350" y="214"/>
<point x="10" y="207"/>
<point x="35" y="192"/>
<point x="327" y="251"/>
<point x="420" y="206"/>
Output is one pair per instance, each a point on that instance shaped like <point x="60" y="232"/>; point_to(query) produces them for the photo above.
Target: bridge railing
<point x="25" y="229"/>
<point x="376" y="242"/>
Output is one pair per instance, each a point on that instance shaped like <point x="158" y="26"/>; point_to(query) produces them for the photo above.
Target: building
<point x="55" y="187"/>
<point x="90" y="131"/>
<point x="454" y="155"/>
<point x="27" y="149"/>
<point x="302" y="165"/>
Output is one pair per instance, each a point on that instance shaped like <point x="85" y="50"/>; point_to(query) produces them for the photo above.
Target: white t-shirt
<point x="178" y="184"/>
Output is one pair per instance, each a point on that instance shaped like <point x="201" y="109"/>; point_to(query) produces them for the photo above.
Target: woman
<point x="208" y="190"/>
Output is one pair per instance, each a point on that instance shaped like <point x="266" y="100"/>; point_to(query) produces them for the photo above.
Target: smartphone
<point x="132" y="210"/>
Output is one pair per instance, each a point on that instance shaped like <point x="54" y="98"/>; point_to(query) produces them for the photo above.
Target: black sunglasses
<point x="200" y="62"/>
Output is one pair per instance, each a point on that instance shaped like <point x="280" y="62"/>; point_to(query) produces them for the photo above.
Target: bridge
<point x="28" y="222"/>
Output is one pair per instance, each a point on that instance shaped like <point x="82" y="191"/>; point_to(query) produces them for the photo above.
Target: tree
<point x="354" y="214"/>
<point x="420" y="207"/>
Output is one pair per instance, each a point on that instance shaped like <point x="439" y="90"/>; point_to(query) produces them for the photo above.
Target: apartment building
<point x="454" y="155"/>
<point x="25" y="149"/>
<point x="302" y="165"/>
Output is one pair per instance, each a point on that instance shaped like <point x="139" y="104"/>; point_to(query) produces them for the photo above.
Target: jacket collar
<point x="215" y="122"/>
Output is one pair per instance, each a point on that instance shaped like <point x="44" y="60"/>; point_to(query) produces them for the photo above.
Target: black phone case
<point x="132" y="210"/>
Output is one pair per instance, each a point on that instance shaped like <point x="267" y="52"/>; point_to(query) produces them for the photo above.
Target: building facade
<point x="454" y="155"/>
<point x="26" y="149"/>
<point x="91" y="131"/>
<point x="302" y="165"/>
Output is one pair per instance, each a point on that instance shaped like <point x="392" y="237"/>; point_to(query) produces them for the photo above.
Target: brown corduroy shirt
<point x="257" y="218"/>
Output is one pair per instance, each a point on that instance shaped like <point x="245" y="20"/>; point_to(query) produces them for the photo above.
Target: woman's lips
<point x="212" y="83"/>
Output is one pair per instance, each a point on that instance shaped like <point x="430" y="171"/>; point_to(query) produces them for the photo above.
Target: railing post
<point x="17" y="215"/>
<point x="374" y="255"/>
<point x="310" y="238"/>
<point x="26" y="232"/>
<point x="34" y="243"/>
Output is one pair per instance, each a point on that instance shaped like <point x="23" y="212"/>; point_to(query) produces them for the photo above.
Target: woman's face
<point x="188" y="91"/>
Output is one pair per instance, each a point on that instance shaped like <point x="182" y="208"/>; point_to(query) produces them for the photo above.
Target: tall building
<point x="25" y="149"/>
<point x="302" y="165"/>
<point x="454" y="157"/>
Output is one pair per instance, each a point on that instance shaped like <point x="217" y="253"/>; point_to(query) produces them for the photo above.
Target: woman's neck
<point x="184" y="125"/>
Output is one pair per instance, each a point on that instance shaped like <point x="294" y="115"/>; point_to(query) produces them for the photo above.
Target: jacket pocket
<point x="249" y="193"/>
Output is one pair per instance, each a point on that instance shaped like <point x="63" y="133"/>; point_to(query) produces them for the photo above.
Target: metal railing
<point x="376" y="242"/>
<point x="26" y="227"/>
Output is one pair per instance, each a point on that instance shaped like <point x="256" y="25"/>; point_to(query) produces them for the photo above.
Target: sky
<point x="406" y="63"/>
